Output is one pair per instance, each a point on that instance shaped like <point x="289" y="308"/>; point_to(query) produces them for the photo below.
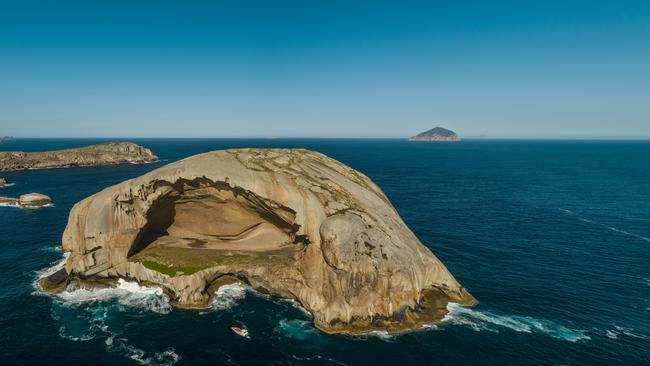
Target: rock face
<point x="289" y="222"/>
<point x="94" y="155"/>
<point x="436" y="134"/>
<point x="29" y="200"/>
<point x="3" y="182"/>
<point x="34" y="200"/>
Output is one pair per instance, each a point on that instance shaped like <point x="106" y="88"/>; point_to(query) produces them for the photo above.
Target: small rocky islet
<point x="291" y="223"/>
<point x="436" y="134"/>
<point x="110" y="153"/>
<point x="29" y="200"/>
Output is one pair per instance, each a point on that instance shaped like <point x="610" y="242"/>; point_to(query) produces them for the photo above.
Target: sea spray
<point x="227" y="296"/>
<point x="127" y="294"/>
<point x="485" y="320"/>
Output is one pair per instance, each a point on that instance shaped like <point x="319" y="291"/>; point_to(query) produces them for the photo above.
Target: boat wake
<point x="484" y="320"/>
<point x="596" y="223"/>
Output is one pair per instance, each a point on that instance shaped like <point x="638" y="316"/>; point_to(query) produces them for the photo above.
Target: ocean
<point x="551" y="237"/>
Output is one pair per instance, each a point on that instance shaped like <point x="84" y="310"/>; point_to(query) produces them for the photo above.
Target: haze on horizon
<point x="325" y="69"/>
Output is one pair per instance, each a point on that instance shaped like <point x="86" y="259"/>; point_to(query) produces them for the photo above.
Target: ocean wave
<point x="296" y="305"/>
<point x="619" y="331"/>
<point x="317" y="358"/>
<point x="17" y="205"/>
<point x="381" y="334"/>
<point x="85" y="315"/>
<point x="8" y="185"/>
<point x="484" y="320"/>
<point x="297" y="329"/>
<point x="227" y="296"/>
<point x="128" y="294"/>
<point x="53" y="268"/>
<point x="166" y="358"/>
<point x="56" y="249"/>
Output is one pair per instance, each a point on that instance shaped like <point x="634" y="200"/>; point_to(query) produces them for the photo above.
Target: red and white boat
<point x="242" y="332"/>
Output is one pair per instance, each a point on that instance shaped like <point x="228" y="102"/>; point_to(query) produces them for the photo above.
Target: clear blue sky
<point x="327" y="69"/>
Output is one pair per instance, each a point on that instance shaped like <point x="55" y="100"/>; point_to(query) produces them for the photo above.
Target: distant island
<point x="110" y="153"/>
<point x="436" y="134"/>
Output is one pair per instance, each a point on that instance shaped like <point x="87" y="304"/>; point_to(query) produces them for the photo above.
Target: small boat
<point x="242" y="332"/>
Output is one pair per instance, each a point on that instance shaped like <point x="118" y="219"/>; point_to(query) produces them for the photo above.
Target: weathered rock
<point x="290" y="222"/>
<point x="29" y="200"/>
<point x="3" y="182"/>
<point x="436" y="134"/>
<point x="34" y="200"/>
<point x="8" y="201"/>
<point x="102" y="154"/>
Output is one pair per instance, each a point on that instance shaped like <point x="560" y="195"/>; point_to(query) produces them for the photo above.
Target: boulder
<point x="34" y="200"/>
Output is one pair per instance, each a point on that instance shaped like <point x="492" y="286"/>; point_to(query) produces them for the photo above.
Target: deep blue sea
<point x="552" y="238"/>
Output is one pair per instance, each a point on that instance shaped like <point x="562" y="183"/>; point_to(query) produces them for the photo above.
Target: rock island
<point x="291" y="223"/>
<point x="101" y="154"/>
<point x="436" y="134"/>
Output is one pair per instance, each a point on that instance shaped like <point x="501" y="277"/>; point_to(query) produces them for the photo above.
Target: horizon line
<point x="565" y="137"/>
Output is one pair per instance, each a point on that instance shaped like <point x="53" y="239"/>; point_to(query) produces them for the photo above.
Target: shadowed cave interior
<point x="195" y="224"/>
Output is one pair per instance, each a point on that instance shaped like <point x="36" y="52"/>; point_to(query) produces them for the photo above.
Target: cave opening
<point x="202" y="214"/>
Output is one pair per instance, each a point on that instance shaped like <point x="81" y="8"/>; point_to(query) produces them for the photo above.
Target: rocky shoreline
<point x="290" y="223"/>
<point x="111" y="153"/>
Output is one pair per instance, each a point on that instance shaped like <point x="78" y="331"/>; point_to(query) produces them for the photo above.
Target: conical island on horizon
<point x="436" y="134"/>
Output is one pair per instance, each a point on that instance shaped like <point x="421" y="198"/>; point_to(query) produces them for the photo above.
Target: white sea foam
<point x="619" y="331"/>
<point x="8" y="185"/>
<point x="128" y="294"/>
<point x="297" y="329"/>
<point x="17" y="205"/>
<point x="297" y="305"/>
<point x="166" y="358"/>
<point x="484" y="320"/>
<point x="620" y="231"/>
<point x="381" y="334"/>
<point x="53" y="268"/>
<point x="228" y="296"/>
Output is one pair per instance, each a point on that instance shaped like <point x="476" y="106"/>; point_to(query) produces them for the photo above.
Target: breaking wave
<point x="53" y="268"/>
<point x="228" y="296"/>
<point x="128" y="294"/>
<point x="296" y="305"/>
<point x="86" y="314"/>
<point x="484" y="320"/>
<point x="8" y="185"/>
